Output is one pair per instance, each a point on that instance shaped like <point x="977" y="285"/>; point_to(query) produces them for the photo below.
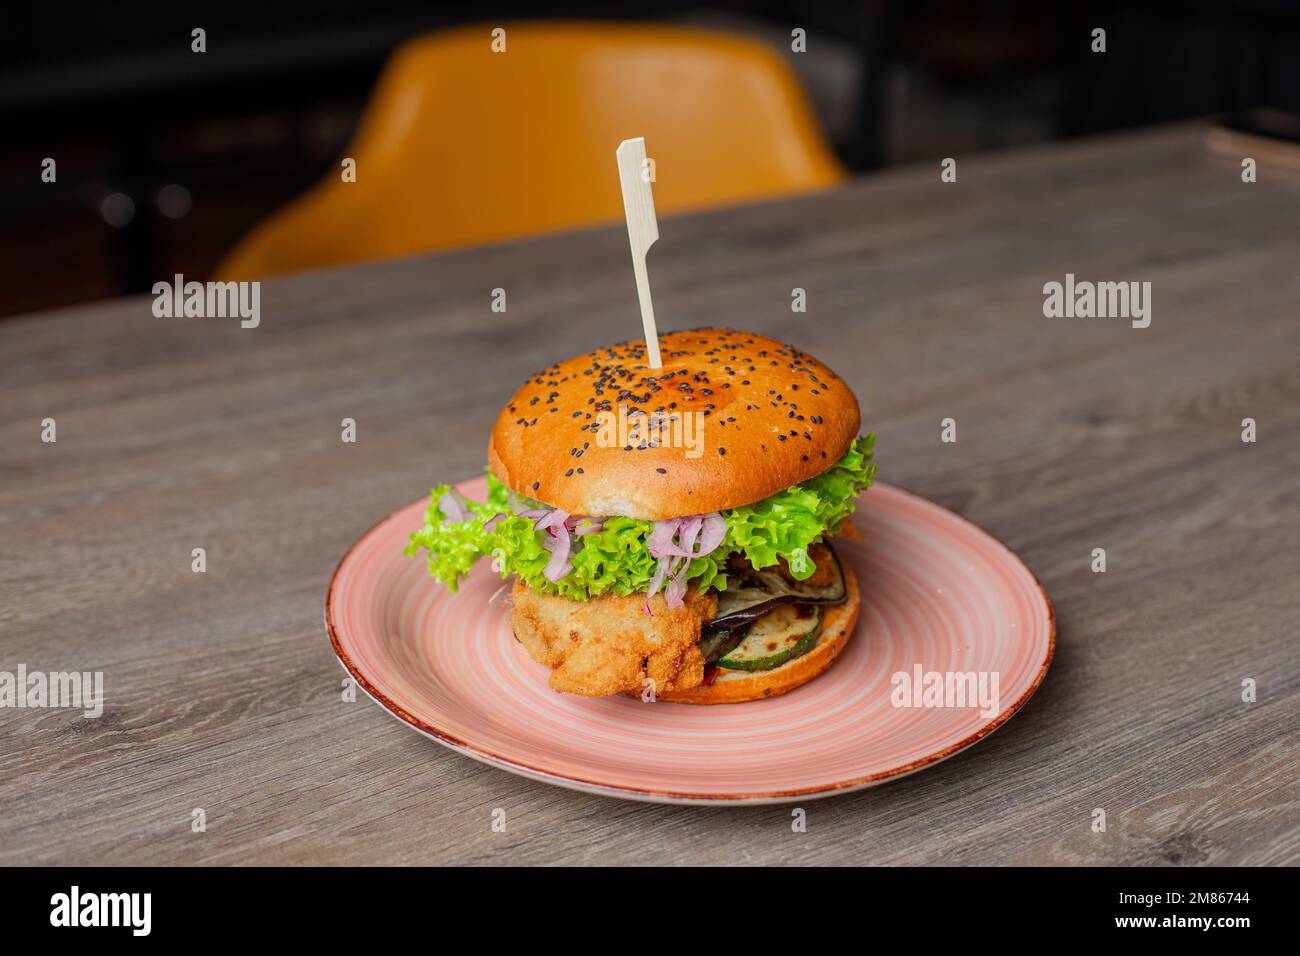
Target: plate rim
<point x="669" y="796"/>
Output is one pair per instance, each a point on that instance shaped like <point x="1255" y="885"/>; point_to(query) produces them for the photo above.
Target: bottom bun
<point x="732" y="687"/>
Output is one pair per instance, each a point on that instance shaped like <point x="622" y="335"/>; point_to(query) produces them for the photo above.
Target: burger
<point x="669" y="530"/>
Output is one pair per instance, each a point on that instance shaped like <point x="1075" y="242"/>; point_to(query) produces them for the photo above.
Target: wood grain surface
<point x="222" y="692"/>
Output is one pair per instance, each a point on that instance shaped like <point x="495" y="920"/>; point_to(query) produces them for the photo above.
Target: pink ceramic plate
<point x="936" y="591"/>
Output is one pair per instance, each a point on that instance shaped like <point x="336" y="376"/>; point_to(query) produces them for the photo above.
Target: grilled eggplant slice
<point x="752" y="593"/>
<point x="716" y="644"/>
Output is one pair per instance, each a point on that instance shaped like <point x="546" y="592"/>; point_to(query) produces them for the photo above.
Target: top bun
<point x="769" y="416"/>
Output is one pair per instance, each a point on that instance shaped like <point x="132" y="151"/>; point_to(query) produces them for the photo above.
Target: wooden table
<point x="1073" y="434"/>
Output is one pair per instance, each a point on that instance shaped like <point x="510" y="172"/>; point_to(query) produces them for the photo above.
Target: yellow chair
<point x="461" y="145"/>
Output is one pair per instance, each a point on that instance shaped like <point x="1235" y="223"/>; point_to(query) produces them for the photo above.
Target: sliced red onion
<point x="696" y="536"/>
<point x="711" y="534"/>
<point x="690" y="530"/>
<point x="559" y="526"/>
<point x="533" y="514"/>
<point x="674" y="542"/>
<point x="675" y="590"/>
<point x="559" y="564"/>
<point x="660" y="572"/>
<point x="660" y="540"/>
<point x="672" y="570"/>
<point x="557" y="542"/>
<point x="454" y="506"/>
<point x="549" y="520"/>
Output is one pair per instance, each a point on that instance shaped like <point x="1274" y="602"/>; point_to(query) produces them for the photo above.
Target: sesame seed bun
<point x="769" y="416"/>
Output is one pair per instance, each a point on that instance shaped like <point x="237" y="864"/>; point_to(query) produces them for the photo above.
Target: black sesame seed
<point x="536" y="484"/>
<point x="662" y="471"/>
<point x="722" y="451"/>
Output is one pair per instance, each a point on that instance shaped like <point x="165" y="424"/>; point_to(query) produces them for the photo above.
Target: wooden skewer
<point x="642" y="231"/>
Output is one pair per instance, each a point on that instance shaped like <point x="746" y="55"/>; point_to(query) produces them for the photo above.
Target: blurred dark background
<point x="166" y="159"/>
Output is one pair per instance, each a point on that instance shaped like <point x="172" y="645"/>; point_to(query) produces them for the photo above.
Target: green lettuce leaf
<point x="615" y="560"/>
<point x="786" y="523"/>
